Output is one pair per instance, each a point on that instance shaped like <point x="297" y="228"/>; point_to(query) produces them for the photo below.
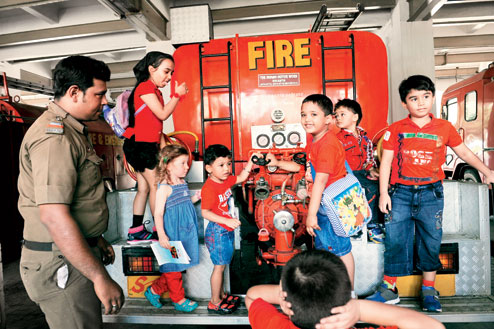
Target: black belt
<point x="47" y="246"/>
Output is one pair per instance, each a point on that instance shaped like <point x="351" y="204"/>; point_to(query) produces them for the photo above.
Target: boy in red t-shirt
<point x="414" y="149"/>
<point x="316" y="293"/>
<point x="326" y="165"/>
<point x="218" y="208"/>
<point x="359" y="153"/>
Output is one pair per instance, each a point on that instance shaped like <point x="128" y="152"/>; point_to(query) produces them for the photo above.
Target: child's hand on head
<point x="343" y="316"/>
<point x="285" y="306"/>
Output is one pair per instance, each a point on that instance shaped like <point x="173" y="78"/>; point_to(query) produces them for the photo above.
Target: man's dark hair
<point x="417" y="82"/>
<point x="315" y="281"/>
<point x="214" y="152"/>
<point x="79" y="71"/>
<point x="352" y="105"/>
<point x="323" y="101"/>
<point x="141" y="72"/>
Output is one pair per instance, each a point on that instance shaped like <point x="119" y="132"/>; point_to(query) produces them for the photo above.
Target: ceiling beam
<point x="65" y="32"/>
<point x="294" y="8"/>
<point x="422" y="10"/>
<point x="463" y="58"/>
<point x="482" y="40"/>
<point x="451" y="73"/>
<point x="121" y="83"/>
<point x="122" y="67"/>
<point x="465" y="11"/>
<point x="90" y="46"/>
<point x="12" y="4"/>
<point x="47" y="15"/>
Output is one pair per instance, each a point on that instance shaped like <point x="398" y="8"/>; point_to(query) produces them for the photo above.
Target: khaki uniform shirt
<point x="58" y="165"/>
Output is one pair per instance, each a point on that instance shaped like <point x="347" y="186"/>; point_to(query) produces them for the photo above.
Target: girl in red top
<point x="143" y="137"/>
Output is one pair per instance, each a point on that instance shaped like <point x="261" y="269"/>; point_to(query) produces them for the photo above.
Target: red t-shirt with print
<point x="419" y="153"/>
<point x="359" y="150"/>
<point x="216" y="197"/>
<point x="147" y="126"/>
<point x="327" y="155"/>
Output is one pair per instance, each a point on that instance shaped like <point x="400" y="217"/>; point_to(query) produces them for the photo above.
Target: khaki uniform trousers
<point x="67" y="302"/>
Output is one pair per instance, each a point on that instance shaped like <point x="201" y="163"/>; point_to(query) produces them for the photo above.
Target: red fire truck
<point x="468" y="105"/>
<point x="246" y="93"/>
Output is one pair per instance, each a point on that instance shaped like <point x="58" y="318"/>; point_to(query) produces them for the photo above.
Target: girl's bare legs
<point x="141" y="197"/>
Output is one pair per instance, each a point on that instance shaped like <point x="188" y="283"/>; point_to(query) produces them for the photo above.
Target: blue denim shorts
<point x="415" y="209"/>
<point x="326" y="238"/>
<point x="219" y="242"/>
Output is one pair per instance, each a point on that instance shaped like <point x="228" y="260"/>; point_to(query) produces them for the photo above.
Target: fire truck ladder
<point x="229" y="118"/>
<point x="352" y="80"/>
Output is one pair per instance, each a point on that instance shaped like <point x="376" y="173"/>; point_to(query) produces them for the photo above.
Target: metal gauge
<point x="277" y="115"/>
<point x="279" y="139"/>
<point x="272" y="169"/>
<point x="262" y="140"/>
<point x="294" y="137"/>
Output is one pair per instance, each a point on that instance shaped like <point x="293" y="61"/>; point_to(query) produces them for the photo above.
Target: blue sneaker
<point x="154" y="299"/>
<point x="430" y="299"/>
<point x="385" y="295"/>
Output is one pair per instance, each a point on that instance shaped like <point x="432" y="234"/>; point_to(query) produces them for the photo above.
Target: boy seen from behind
<point x="359" y="153"/>
<point x="317" y="290"/>
<point x="217" y="207"/>
<point x="414" y="149"/>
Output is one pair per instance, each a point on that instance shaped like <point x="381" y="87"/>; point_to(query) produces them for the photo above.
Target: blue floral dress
<point x="180" y="222"/>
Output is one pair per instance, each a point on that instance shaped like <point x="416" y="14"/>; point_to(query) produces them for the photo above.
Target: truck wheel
<point x="471" y="175"/>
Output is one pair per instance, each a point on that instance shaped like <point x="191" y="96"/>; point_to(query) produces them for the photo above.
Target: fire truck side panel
<point x="468" y="105"/>
<point x="276" y="73"/>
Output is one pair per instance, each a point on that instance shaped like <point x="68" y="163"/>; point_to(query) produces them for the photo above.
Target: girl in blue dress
<point x="175" y="205"/>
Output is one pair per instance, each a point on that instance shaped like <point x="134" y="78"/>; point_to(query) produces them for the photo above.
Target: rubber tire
<point x="471" y="175"/>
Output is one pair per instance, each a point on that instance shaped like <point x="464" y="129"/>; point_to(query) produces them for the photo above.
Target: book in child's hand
<point x="177" y="254"/>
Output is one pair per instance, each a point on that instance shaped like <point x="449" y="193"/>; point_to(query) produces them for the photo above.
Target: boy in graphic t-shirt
<point x="217" y="207"/>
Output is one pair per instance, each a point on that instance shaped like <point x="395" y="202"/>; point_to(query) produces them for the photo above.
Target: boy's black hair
<point x="352" y="105"/>
<point x="323" y="101"/>
<point x="214" y="152"/>
<point x="79" y="71"/>
<point x="417" y="82"/>
<point x="315" y="281"/>
<point x="141" y="72"/>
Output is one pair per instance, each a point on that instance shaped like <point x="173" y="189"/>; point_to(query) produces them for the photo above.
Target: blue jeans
<point x="219" y="242"/>
<point x="417" y="211"/>
<point x="326" y="238"/>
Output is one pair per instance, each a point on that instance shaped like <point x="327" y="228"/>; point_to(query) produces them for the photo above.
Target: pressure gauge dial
<point x="294" y="137"/>
<point x="279" y="139"/>
<point x="262" y="140"/>
<point x="277" y="115"/>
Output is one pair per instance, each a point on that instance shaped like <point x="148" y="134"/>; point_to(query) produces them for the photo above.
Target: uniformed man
<point x="62" y="200"/>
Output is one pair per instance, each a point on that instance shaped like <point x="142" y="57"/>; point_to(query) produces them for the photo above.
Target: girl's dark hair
<point x="166" y="155"/>
<point x="141" y="72"/>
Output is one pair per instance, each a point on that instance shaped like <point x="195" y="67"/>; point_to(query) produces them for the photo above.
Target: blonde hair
<point x="165" y="156"/>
